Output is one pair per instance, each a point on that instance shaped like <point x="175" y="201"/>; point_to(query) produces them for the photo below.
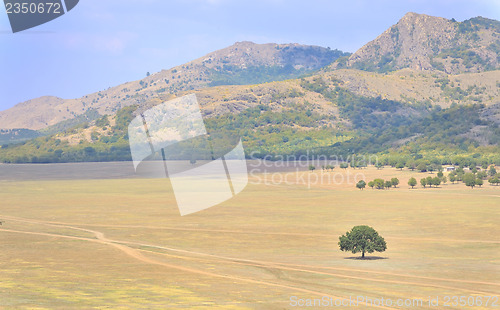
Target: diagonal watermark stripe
<point x="172" y="134"/>
<point x="26" y="14"/>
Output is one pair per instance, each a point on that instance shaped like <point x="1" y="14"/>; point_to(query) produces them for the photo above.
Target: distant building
<point x="450" y="168"/>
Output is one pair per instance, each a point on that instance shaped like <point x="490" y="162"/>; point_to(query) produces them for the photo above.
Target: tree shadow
<point x="366" y="257"/>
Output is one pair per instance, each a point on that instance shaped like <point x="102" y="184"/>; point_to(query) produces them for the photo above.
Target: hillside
<point x="313" y="115"/>
<point x="426" y="43"/>
<point x="420" y="43"/>
<point x="241" y="63"/>
<point x="17" y="135"/>
<point x="418" y="111"/>
<point x="412" y="86"/>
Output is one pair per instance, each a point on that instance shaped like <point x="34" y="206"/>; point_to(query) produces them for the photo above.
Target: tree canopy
<point x="362" y="239"/>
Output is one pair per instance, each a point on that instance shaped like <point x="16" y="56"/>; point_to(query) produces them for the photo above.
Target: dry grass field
<point x="121" y="244"/>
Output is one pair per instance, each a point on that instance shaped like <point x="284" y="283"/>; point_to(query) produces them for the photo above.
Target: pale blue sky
<point x="103" y="43"/>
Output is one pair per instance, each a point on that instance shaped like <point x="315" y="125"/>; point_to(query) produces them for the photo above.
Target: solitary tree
<point x="388" y="184"/>
<point x="494" y="181"/>
<point x="312" y="168"/>
<point x="353" y="164"/>
<point x="422" y="167"/>
<point x="361" y="185"/>
<point x="453" y="178"/>
<point x="379" y="183"/>
<point x="395" y="182"/>
<point x="372" y="184"/>
<point x="479" y="182"/>
<point x="470" y="180"/>
<point x="430" y="181"/>
<point x="423" y="182"/>
<point x="411" y="165"/>
<point x="492" y="171"/>
<point x="400" y="165"/>
<point x="362" y="239"/>
<point x="412" y="182"/>
<point x="481" y="175"/>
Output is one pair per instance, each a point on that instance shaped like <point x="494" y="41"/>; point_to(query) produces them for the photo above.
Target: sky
<point x="103" y="43"/>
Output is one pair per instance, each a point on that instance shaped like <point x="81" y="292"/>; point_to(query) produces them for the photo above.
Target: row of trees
<point x="471" y="179"/>
<point x="429" y="181"/>
<point x="431" y="164"/>
<point x="378" y="183"/>
<point x="474" y="177"/>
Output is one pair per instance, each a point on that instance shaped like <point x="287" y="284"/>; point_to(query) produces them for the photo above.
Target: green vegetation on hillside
<point x="234" y="75"/>
<point x="375" y="126"/>
<point x="17" y="135"/>
<point x="381" y="125"/>
<point x="294" y="130"/>
<point x="51" y="149"/>
<point x="88" y="116"/>
<point x="293" y="57"/>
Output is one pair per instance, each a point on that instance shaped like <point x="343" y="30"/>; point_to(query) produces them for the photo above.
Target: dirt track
<point x="137" y="255"/>
<point x="125" y="246"/>
<point x="246" y="232"/>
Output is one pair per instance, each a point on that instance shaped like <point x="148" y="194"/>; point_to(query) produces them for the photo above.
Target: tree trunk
<point x="363" y="254"/>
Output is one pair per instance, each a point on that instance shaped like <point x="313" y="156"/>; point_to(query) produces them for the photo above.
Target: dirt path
<point x="225" y="231"/>
<point x="279" y="265"/>
<point x="312" y="268"/>
<point x="262" y="264"/>
<point x="138" y="256"/>
<point x="295" y="267"/>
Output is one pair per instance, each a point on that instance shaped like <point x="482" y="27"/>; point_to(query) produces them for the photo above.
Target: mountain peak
<point x="427" y="43"/>
<point x="422" y="20"/>
<point x="244" y="43"/>
<point x="412" y="16"/>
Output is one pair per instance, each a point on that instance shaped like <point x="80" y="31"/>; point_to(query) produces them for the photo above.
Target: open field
<point x="121" y="244"/>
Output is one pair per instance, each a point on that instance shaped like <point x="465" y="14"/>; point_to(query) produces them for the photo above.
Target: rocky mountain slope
<point x="241" y="63"/>
<point x="426" y="43"/>
<point x="430" y="47"/>
<point x="418" y="101"/>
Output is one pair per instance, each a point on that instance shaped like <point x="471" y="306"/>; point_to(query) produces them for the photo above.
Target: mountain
<point x="426" y="43"/>
<point x="417" y="42"/>
<point x="312" y="115"/>
<point x="409" y="105"/>
<point x="241" y="63"/>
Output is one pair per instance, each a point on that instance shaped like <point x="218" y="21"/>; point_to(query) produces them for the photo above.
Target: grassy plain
<point x="121" y="244"/>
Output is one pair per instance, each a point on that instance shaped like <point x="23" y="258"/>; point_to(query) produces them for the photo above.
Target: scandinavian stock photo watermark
<point x="432" y="301"/>
<point x="308" y="170"/>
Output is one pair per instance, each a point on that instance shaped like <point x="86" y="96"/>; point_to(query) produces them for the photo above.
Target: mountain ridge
<point x="417" y="41"/>
<point x="339" y="108"/>
<point x="270" y="58"/>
